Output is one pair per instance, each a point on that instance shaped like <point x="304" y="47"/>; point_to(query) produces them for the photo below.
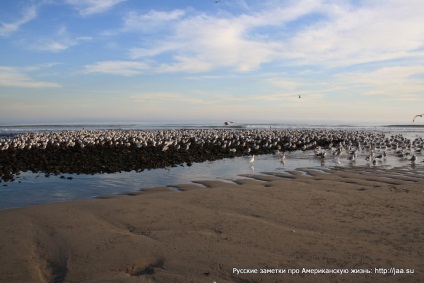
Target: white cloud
<point x="324" y="33"/>
<point x="168" y="98"/>
<point x="151" y="21"/>
<point x="16" y="77"/>
<point x="392" y="83"/>
<point x="38" y="67"/>
<point x="202" y="43"/>
<point x="185" y="64"/>
<point x="91" y="7"/>
<point x="407" y="98"/>
<point x="135" y="53"/>
<point x="387" y="75"/>
<point x="214" y="41"/>
<point x="284" y="84"/>
<point x="126" y="68"/>
<point x="28" y="15"/>
<point x="383" y="31"/>
<point x="61" y="42"/>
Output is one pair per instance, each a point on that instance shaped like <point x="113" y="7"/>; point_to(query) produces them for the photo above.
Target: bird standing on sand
<point x="421" y="115"/>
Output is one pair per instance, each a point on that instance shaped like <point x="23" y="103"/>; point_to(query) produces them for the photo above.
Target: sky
<point x="206" y="60"/>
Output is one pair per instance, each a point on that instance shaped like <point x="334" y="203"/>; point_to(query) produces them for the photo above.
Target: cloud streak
<point x="392" y="83"/>
<point x="92" y="7"/>
<point x="16" y="77"/>
<point x="152" y="21"/>
<point x="383" y="31"/>
<point x="29" y="14"/>
<point x="334" y="34"/>
<point x="60" y="42"/>
<point x="125" y="68"/>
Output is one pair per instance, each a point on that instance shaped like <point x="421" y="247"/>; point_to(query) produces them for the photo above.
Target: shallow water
<point x="33" y="189"/>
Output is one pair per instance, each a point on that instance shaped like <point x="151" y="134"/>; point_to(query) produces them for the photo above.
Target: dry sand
<point x="360" y="218"/>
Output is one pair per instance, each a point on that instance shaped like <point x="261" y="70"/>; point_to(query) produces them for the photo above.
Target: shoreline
<point x="107" y="151"/>
<point x="103" y="152"/>
<point x="35" y="189"/>
<point x="343" y="218"/>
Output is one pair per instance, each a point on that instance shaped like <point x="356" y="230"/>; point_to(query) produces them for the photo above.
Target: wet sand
<point x="368" y="219"/>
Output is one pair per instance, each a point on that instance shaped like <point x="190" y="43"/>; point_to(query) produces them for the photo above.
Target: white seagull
<point x="252" y="160"/>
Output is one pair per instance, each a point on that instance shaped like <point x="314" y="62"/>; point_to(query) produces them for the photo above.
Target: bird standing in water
<point x="252" y="160"/>
<point x="413" y="158"/>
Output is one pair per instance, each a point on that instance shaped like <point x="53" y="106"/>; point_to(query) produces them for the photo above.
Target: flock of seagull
<point x="402" y="148"/>
<point x="375" y="150"/>
<point x="326" y="143"/>
<point x="231" y="140"/>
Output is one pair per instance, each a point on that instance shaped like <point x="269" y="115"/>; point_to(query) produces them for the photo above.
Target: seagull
<point x="421" y="115"/>
<point x="321" y="154"/>
<point x="282" y="155"/>
<point x="252" y="160"/>
<point x="413" y="158"/>
<point x="351" y="157"/>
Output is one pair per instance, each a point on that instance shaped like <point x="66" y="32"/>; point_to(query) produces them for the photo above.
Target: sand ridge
<point x="344" y="218"/>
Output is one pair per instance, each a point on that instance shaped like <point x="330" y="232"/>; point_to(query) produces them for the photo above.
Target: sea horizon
<point x="22" y="127"/>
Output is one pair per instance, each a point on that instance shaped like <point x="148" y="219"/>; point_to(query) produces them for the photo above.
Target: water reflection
<point x="32" y="189"/>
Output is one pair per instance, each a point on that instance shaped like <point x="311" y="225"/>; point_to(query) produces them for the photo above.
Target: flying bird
<point x="413" y="120"/>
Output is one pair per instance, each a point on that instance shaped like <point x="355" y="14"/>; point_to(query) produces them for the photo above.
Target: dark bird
<point x="413" y="158"/>
<point x="299" y="96"/>
<point x="413" y="120"/>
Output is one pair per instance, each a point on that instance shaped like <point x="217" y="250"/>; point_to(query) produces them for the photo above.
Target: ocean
<point x="37" y="188"/>
<point x="8" y="128"/>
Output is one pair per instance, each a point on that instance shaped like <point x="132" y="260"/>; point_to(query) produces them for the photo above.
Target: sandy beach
<point x="211" y="141"/>
<point x="338" y="225"/>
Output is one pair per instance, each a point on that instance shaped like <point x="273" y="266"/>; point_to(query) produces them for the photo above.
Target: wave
<point x="405" y="126"/>
<point x="13" y="129"/>
<point x="46" y="126"/>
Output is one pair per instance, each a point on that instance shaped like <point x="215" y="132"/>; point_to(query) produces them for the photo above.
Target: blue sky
<point x="241" y="60"/>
